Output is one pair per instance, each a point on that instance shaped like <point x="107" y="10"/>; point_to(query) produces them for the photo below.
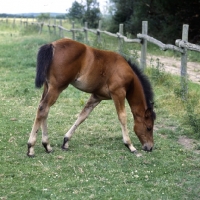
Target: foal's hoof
<point x="136" y="153"/>
<point x="65" y="144"/>
<point x="30" y="152"/>
<point x="64" y="148"/>
<point x="47" y="147"/>
<point x="29" y="155"/>
<point x="50" y="151"/>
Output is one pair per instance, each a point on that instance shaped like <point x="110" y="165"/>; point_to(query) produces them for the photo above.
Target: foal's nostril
<point x="145" y="148"/>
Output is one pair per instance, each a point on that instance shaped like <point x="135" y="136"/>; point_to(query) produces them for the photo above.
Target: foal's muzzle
<point x="147" y="147"/>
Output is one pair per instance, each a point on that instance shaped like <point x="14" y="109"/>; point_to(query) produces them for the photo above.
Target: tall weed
<point x="191" y="103"/>
<point x="191" y="106"/>
<point x="192" y="117"/>
<point x="29" y="29"/>
<point x="157" y="73"/>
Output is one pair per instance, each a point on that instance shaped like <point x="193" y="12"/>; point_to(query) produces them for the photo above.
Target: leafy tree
<point x="62" y="16"/>
<point x="165" y="18"/>
<point x="123" y="11"/>
<point x="76" y="11"/>
<point x="92" y="14"/>
<point x="87" y="12"/>
<point x="43" y="16"/>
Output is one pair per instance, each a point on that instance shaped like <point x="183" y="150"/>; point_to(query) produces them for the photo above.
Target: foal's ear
<point x="148" y="112"/>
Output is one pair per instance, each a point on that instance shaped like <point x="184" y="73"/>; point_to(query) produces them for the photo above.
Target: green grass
<point x="97" y="165"/>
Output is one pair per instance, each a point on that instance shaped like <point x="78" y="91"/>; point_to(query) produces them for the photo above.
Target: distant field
<point x="97" y="165"/>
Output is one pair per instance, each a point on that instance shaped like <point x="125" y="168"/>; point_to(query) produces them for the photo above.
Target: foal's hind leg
<point x="90" y="105"/>
<point x="119" y="100"/>
<point x="48" y="99"/>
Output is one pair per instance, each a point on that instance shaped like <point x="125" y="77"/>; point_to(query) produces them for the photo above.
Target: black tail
<point x="44" y="59"/>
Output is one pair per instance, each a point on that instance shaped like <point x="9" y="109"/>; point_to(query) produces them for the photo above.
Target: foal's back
<point x="89" y="69"/>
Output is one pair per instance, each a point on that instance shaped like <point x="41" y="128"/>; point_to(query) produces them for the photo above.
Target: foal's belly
<point x="94" y="87"/>
<point x="82" y="85"/>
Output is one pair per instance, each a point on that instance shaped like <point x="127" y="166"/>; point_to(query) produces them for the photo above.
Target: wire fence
<point x="181" y="45"/>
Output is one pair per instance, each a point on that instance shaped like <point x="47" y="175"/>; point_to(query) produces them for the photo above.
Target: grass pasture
<point x="97" y="166"/>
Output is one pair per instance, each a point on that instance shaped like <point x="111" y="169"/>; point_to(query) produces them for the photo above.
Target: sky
<point x="39" y="6"/>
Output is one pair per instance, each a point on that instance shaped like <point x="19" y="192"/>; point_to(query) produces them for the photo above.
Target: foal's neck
<point x="136" y="99"/>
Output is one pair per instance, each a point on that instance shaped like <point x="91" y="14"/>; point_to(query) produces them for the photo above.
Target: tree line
<point x="88" y="11"/>
<point x="165" y="18"/>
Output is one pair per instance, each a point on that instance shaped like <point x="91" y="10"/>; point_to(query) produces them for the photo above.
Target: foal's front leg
<point x="90" y="105"/>
<point x="119" y="100"/>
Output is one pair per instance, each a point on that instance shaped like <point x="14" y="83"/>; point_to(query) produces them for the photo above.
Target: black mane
<point x="149" y="95"/>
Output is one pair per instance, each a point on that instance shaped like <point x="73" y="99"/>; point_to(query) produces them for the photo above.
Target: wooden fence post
<point x="120" y="41"/>
<point x="21" y="22"/>
<point x="144" y="45"/>
<point x="98" y="32"/>
<point x="86" y="32"/>
<point x="41" y="26"/>
<point x="49" y="26"/>
<point x="184" y="86"/>
<point x="54" y="27"/>
<point x="14" y="22"/>
<point x="73" y="32"/>
<point x="60" y="29"/>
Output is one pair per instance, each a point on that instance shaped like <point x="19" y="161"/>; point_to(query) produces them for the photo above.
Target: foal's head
<point x="144" y="129"/>
<point x="145" y="116"/>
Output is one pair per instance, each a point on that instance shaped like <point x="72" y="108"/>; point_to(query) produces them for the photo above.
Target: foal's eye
<point x="149" y="128"/>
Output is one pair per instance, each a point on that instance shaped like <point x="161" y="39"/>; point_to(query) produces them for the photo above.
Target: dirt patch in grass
<point x="188" y="143"/>
<point x="173" y="66"/>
